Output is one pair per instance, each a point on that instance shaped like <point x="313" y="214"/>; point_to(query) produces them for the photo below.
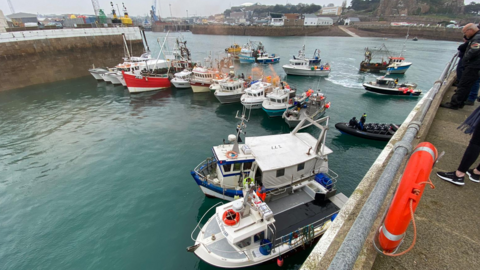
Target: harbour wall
<point x="267" y="30"/>
<point x="35" y="57"/>
<point x="432" y="32"/>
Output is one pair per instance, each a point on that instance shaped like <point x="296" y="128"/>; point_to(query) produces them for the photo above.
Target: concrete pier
<point x="34" y="57"/>
<point x="448" y="235"/>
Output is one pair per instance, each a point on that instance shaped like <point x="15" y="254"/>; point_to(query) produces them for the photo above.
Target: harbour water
<point x="95" y="178"/>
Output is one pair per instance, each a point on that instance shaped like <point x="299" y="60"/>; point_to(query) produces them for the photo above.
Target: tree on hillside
<point x="365" y="4"/>
<point x="472" y="8"/>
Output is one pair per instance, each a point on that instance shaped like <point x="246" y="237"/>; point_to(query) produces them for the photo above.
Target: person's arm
<point x="473" y="52"/>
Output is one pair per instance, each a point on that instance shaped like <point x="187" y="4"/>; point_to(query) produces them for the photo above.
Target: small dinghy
<point x="389" y="86"/>
<point x="371" y="131"/>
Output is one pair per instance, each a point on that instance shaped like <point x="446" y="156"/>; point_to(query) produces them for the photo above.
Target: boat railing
<point x="209" y="163"/>
<point x="294" y="239"/>
<point x="200" y="221"/>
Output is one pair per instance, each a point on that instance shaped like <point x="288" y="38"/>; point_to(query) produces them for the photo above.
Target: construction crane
<point x="11" y="6"/>
<point x="115" y="18"/>
<point x="96" y="7"/>
<point x="125" y="19"/>
<point x="153" y="12"/>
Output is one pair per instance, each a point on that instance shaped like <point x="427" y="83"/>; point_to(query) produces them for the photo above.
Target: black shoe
<point x="451" y="177"/>
<point x="449" y="105"/>
<point x="478" y="99"/>
<point x="469" y="102"/>
<point x="474" y="177"/>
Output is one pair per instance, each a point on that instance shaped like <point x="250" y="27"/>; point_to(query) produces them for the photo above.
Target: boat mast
<point x="161" y="50"/>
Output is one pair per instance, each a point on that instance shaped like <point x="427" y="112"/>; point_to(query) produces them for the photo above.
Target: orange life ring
<point x="231" y="217"/>
<point x="231" y="154"/>
<point x="407" y="196"/>
<point x="290" y="101"/>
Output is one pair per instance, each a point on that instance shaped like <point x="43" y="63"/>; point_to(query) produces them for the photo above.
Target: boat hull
<point x="246" y="59"/>
<point x="142" y="84"/>
<point x="181" y="84"/>
<point x="391" y="92"/>
<point x="268" y="60"/>
<point x="211" y="190"/>
<point x="275" y="112"/>
<point x="96" y="76"/>
<point x="383" y="69"/>
<point x="306" y="72"/>
<point x="200" y="87"/>
<point x="106" y="78"/>
<point x="252" y="105"/>
<point x="232" y="98"/>
<point x="344" y="128"/>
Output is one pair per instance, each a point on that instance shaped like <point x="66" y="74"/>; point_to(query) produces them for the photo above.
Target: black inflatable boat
<point x="372" y="131"/>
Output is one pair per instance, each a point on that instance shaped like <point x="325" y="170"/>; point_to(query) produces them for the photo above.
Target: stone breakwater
<point x="36" y="61"/>
<point x="268" y="30"/>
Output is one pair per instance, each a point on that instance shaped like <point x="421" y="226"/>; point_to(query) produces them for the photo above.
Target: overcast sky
<point x="142" y="7"/>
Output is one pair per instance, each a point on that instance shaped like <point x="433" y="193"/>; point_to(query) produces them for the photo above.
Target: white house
<point x="277" y="22"/>
<point x="351" y="20"/>
<point x="3" y="22"/>
<point x="310" y="20"/>
<point x="331" y="11"/>
<point x="325" y="21"/>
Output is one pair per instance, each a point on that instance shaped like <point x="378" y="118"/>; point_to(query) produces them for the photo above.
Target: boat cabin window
<point x="244" y="243"/>
<point x="247" y="166"/>
<point x="280" y="172"/>
<point x="258" y="237"/>
<point x="227" y="167"/>
<point x="300" y="166"/>
<point x="237" y="166"/>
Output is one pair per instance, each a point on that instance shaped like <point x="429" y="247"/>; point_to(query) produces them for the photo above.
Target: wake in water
<point x="346" y="74"/>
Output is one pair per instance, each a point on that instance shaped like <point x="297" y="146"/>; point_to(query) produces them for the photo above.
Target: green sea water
<point x="92" y="177"/>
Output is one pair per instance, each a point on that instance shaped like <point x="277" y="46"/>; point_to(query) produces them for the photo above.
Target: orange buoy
<point x="280" y="261"/>
<point x="231" y="154"/>
<point x="231" y="217"/>
<point x="327" y="105"/>
<point x="407" y="197"/>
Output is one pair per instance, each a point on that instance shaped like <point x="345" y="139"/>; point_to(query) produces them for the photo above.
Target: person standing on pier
<point x="471" y="64"/>
<point x="471" y="125"/>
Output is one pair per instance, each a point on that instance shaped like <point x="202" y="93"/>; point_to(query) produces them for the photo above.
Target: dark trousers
<point x="472" y="152"/>
<point x="468" y="79"/>
<point x="460" y="69"/>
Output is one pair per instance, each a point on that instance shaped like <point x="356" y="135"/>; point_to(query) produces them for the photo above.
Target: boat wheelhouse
<point x="182" y="79"/>
<point x="230" y="90"/>
<point x="276" y="161"/>
<point x="278" y="101"/>
<point x="256" y="94"/>
<point x="202" y="79"/>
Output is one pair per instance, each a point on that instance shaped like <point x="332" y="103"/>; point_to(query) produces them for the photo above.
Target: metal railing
<point x="131" y="33"/>
<point x="352" y="245"/>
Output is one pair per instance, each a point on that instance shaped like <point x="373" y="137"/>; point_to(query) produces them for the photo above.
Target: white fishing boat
<point x="182" y="79"/>
<point x="302" y="67"/>
<point x="256" y="94"/>
<point x="111" y="75"/>
<point x="202" y="79"/>
<point x="215" y="84"/>
<point x="286" y="177"/>
<point x="230" y="91"/>
<point x="390" y="86"/>
<point x="315" y="60"/>
<point x="97" y="73"/>
<point x="313" y="107"/>
<point x="278" y="101"/>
